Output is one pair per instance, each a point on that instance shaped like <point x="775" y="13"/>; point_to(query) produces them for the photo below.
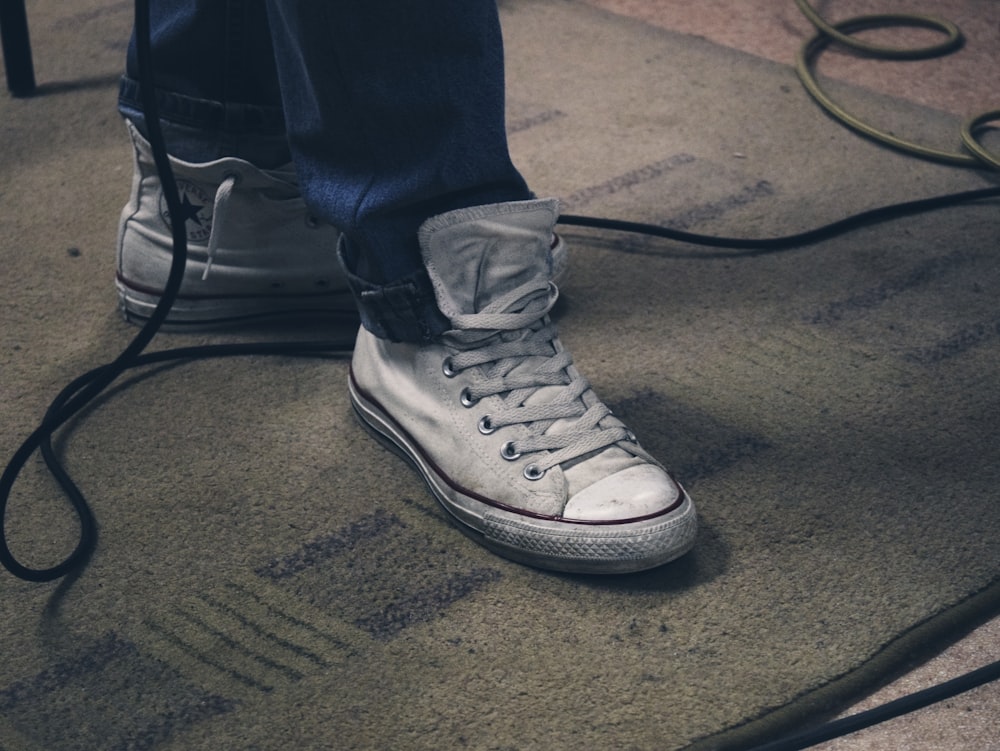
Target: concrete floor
<point x="964" y="84"/>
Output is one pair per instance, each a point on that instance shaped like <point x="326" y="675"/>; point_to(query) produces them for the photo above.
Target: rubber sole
<point x="195" y="313"/>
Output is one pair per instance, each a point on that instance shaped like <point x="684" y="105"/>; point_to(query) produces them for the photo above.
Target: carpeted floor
<point x="268" y="577"/>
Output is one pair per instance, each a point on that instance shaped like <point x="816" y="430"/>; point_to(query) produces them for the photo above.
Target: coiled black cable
<point x="85" y="388"/>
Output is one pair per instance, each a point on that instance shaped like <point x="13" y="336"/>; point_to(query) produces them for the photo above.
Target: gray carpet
<point x="268" y="577"/>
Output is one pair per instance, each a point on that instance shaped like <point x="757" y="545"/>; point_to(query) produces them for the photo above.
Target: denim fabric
<point x="393" y="112"/>
<point x="217" y="85"/>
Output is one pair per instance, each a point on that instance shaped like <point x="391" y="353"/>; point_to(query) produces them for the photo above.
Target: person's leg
<point x="254" y="249"/>
<point x="395" y="114"/>
<point x="396" y="122"/>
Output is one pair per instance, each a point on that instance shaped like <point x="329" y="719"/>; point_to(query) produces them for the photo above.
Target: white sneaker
<point x="254" y="250"/>
<point x="508" y="435"/>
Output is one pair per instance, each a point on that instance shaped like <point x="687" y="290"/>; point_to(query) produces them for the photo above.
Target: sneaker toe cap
<point x="633" y="493"/>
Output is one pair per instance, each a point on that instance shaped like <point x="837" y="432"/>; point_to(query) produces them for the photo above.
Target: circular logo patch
<point x="197" y="210"/>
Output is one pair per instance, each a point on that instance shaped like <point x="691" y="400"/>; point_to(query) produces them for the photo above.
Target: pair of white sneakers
<point x="508" y="435"/>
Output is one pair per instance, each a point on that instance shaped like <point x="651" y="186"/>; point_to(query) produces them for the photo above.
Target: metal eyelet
<point x="486" y="425"/>
<point x="507" y="452"/>
<point x="532" y="472"/>
<point x="467" y="400"/>
<point x="312" y="222"/>
<point x="447" y="369"/>
<point x="631" y="436"/>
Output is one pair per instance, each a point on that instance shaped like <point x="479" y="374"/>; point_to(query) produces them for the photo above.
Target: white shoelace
<point x="219" y="208"/>
<point x="519" y="357"/>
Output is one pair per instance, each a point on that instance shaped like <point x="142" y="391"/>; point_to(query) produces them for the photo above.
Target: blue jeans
<point x="392" y="111"/>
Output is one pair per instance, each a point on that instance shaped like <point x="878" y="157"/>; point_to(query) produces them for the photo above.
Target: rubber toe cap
<point x="634" y="493"/>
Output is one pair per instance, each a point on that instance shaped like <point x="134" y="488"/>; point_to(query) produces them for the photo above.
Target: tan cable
<point x="973" y="145"/>
<point x="840" y="32"/>
<point x="953" y="41"/>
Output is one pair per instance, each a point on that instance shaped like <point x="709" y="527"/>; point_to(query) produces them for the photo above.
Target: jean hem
<point x="404" y="310"/>
<point x="204" y="114"/>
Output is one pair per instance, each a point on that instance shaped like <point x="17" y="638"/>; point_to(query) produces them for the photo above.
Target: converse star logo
<point x="197" y="209"/>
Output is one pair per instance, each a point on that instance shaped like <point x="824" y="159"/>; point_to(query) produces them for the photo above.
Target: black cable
<point x="884" y="712"/>
<point x="787" y="242"/>
<point x="102" y="377"/>
<point x="85" y="388"/>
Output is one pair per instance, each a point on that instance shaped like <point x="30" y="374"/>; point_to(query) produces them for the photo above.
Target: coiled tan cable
<point x="969" y="138"/>
<point x="977" y="156"/>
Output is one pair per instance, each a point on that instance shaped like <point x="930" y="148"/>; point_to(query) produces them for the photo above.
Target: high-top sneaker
<point x="507" y="433"/>
<point x="254" y="250"/>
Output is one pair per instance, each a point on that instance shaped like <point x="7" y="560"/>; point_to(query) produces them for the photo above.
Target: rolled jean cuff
<point x="205" y="114"/>
<point x="200" y="130"/>
<point x="404" y="310"/>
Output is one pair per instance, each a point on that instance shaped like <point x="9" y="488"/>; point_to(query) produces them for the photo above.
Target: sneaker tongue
<point x="475" y="256"/>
